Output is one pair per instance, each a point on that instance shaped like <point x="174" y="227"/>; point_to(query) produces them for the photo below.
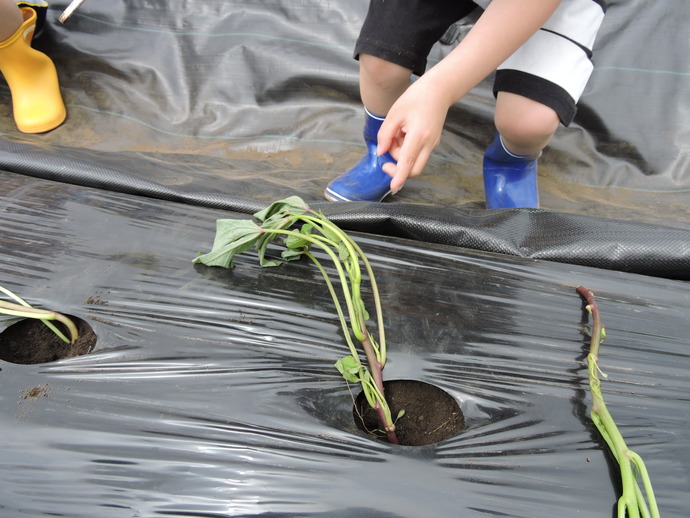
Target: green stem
<point x="377" y="302"/>
<point x="25" y="310"/>
<point x="632" y="500"/>
<point x="357" y="319"/>
<point x="377" y="401"/>
<point x="356" y="274"/>
<point x="336" y="261"/>
<point x="375" y="354"/>
<point x="338" y="307"/>
<point x="355" y="251"/>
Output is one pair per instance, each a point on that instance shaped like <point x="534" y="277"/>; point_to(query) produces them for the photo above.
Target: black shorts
<point x="552" y="67"/>
<point x="404" y="31"/>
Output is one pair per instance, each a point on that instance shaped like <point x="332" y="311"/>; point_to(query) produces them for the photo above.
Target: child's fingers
<point x="411" y="161"/>
<point x="385" y="137"/>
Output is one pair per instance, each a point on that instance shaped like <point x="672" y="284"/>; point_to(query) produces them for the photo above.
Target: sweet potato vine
<point x="632" y="468"/>
<point x="21" y="308"/>
<point x="292" y="224"/>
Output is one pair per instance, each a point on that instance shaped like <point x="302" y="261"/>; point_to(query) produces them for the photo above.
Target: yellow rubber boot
<point x="33" y="81"/>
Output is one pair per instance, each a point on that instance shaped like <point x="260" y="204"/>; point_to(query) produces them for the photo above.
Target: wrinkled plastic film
<point x="260" y="101"/>
<point x="213" y="392"/>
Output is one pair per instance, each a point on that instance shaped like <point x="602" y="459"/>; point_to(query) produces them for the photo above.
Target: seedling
<point x="632" y="502"/>
<point x="24" y="310"/>
<point x="292" y="224"/>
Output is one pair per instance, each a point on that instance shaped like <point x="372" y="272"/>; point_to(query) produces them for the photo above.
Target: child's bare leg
<point x="10" y="18"/>
<point x="526" y="126"/>
<point x="381" y="83"/>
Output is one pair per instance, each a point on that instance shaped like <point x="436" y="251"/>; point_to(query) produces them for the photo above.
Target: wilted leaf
<point x="232" y="237"/>
<point x="262" y="245"/>
<point x="344" y="253"/>
<point x="292" y="254"/>
<point x="331" y="233"/>
<point x="297" y="241"/>
<point x="293" y="204"/>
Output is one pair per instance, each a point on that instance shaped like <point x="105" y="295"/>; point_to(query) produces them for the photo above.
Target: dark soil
<point x="30" y="341"/>
<point x="431" y="414"/>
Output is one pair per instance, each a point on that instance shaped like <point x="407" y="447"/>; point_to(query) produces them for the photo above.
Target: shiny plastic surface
<point x="212" y="392"/>
<point x="260" y="100"/>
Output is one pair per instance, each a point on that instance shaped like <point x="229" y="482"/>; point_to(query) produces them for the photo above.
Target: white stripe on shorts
<point x="560" y="51"/>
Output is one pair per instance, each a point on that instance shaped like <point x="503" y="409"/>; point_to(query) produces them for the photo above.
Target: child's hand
<point x="412" y="130"/>
<point x="413" y="125"/>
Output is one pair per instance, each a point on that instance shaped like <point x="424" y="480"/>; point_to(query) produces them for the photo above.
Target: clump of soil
<point x="30" y="341"/>
<point x="431" y="414"/>
<point x="36" y="392"/>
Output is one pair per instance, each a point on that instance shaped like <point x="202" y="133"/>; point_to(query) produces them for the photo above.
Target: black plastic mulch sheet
<point x="233" y="105"/>
<point x="212" y="392"/>
<point x="613" y="244"/>
<point x="260" y="100"/>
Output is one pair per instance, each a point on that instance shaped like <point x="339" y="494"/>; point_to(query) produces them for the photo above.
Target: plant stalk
<point x="371" y="353"/>
<point x="24" y="310"/>
<point x="632" y="501"/>
<point x="376" y="368"/>
<point x="234" y="237"/>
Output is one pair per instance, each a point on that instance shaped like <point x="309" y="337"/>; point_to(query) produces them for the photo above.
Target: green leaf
<point x="278" y="221"/>
<point x="330" y="230"/>
<point x="344" y="255"/>
<point x="350" y="368"/>
<point x="232" y="237"/>
<point x="293" y="204"/>
<point x="262" y="245"/>
<point x="300" y="242"/>
<point x="293" y="254"/>
<point x="363" y="309"/>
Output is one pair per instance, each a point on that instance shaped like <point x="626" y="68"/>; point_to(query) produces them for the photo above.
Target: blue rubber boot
<point x="366" y="181"/>
<point x="510" y="180"/>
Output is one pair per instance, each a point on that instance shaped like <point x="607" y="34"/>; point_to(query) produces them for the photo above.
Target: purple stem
<point x="376" y="370"/>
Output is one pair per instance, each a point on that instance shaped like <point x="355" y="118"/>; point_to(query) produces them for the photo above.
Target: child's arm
<point x="413" y="125"/>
